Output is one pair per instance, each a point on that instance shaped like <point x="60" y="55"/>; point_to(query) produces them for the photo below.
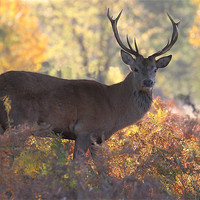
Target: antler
<point x="114" y="27"/>
<point x="170" y="44"/>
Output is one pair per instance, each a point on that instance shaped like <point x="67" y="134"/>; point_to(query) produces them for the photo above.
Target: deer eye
<point x="155" y="70"/>
<point x="136" y="70"/>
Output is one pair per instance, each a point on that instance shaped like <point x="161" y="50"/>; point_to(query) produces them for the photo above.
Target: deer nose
<point x="148" y="83"/>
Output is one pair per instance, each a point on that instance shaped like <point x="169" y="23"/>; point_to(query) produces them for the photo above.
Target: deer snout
<point x="148" y="83"/>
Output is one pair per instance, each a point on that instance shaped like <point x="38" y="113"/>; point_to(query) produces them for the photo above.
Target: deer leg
<point x="82" y="144"/>
<point x="94" y="150"/>
<point x="98" y="158"/>
<point x="96" y="147"/>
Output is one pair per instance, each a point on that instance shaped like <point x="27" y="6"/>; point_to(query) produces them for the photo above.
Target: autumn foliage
<point x="22" y="44"/>
<point x="158" y="158"/>
<point x="163" y="145"/>
<point x="194" y="34"/>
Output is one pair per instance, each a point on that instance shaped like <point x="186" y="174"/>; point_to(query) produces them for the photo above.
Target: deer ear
<point x="127" y="58"/>
<point x="163" y="62"/>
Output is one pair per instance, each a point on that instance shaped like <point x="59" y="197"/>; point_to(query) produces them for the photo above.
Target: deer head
<point x="144" y="69"/>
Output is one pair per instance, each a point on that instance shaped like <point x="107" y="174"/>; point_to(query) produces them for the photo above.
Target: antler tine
<point x="136" y="45"/>
<point x="135" y="52"/>
<point x="115" y="31"/>
<point x="174" y="38"/>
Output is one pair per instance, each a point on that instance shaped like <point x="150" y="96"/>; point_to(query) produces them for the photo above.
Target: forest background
<point x="157" y="158"/>
<point x="74" y="39"/>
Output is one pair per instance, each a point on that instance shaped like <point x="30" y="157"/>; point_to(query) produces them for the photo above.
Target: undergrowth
<point x="158" y="158"/>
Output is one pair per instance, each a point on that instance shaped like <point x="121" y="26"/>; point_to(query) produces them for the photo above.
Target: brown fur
<point x="78" y="109"/>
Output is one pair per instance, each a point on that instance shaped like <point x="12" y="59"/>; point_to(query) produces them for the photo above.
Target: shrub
<point x="163" y="145"/>
<point x="158" y="158"/>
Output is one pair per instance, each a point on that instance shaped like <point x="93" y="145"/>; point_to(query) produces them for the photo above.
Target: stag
<point x="85" y="110"/>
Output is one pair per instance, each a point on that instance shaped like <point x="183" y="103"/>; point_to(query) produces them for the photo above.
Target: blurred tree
<point x="194" y="40"/>
<point x="81" y="39"/>
<point x="180" y="75"/>
<point x="194" y="34"/>
<point x="82" y="43"/>
<point x="22" y="44"/>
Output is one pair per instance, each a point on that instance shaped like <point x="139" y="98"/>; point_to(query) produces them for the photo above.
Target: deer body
<point x="84" y="110"/>
<point x="72" y="107"/>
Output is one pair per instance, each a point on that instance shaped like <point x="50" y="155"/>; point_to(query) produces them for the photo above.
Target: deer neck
<point x="142" y="101"/>
<point x="130" y="103"/>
